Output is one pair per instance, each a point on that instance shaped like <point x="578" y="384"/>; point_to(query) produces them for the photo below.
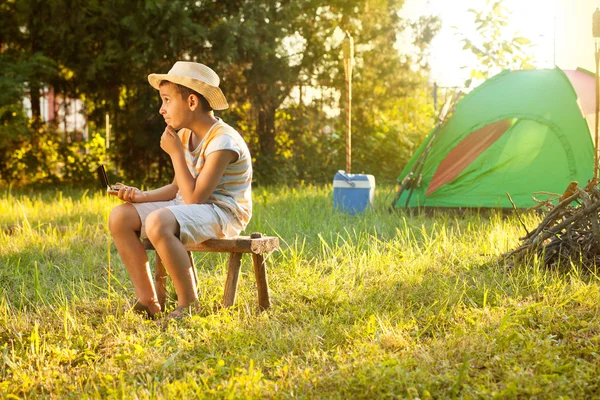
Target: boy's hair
<point x="185" y="92"/>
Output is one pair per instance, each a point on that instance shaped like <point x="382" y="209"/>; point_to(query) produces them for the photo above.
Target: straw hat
<point x="197" y="77"/>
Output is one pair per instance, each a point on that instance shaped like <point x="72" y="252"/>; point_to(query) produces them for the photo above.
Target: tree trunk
<point x="266" y="130"/>
<point x="36" y="111"/>
<point x="34" y="81"/>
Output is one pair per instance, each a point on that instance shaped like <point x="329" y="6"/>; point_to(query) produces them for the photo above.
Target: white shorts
<point x="197" y="222"/>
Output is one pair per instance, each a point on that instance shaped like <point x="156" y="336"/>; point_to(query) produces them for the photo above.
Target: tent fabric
<point x="465" y="153"/>
<point x="584" y="84"/>
<point x="519" y="132"/>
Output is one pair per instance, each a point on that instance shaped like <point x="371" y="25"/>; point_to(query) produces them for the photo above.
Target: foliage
<point x="30" y="160"/>
<point x="43" y="159"/>
<point x="102" y="51"/>
<point x="381" y="142"/>
<point x="377" y="305"/>
<point x="309" y="150"/>
<point x="389" y="139"/>
<point x="384" y="82"/>
<point x="393" y="114"/>
<point x="79" y="160"/>
<point x="497" y="47"/>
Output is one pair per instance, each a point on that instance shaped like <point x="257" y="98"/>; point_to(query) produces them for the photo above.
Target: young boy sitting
<point x="210" y="196"/>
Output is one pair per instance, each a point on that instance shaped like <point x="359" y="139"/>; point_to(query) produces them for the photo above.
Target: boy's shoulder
<point x="224" y="128"/>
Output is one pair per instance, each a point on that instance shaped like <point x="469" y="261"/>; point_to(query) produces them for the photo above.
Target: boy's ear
<point x="194" y="102"/>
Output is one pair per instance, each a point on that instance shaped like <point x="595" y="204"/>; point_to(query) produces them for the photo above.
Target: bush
<point x="30" y="154"/>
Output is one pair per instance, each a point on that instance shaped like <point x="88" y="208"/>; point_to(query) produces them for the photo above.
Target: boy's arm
<point x="165" y="193"/>
<point x="197" y="191"/>
<point x="134" y="195"/>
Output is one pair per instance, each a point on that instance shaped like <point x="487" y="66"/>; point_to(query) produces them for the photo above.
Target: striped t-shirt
<point x="234" y="190"/>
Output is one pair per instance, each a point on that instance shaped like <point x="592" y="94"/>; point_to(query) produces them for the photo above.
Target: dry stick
<point x="557" y="228"/>
<point x="576" y="221"/>
<point x="582" y="244"/>
<point x="542" y="203"/>
<point x="555" y="210"/>
<point x="515" y="251"/>
<point x="517" y="213"/>
<point x="549" y="219"/>
<point x="548" y="193"/>
<point x="564" y="203"/>
<point x="535" y="241"/>
<point x="531" y="243"/>
<point x="595" y="228"/>
<point x="585" y="197"/>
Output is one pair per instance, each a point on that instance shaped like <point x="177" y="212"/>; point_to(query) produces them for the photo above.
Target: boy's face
<point x="174" y="109"/>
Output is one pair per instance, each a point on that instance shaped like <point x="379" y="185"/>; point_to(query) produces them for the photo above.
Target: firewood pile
<point x="569" y="232"/>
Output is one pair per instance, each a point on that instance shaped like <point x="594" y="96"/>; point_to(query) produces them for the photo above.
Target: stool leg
<point x="193" y="269"/>
<point x="260" y="272"/>
<point x="160" y="276"/>
<point x="233" y="272"/>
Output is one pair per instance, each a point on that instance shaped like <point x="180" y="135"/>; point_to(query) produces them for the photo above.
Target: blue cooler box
<point x="352" y="193"/>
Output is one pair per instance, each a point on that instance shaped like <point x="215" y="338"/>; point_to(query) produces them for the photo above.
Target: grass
<point x="381" y="305"/>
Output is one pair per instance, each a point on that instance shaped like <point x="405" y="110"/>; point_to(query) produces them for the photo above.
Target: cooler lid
<point x="342" y="179"/>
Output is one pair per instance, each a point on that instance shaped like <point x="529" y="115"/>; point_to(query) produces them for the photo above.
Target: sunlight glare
<point x="559" y="31"/>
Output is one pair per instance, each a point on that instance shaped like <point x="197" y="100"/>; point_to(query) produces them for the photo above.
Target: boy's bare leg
<point x="124" y="223"/>
<point x="162" y="229"/>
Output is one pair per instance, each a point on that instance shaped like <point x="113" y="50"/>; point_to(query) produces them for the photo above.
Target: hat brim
<point x="212" y="94"/>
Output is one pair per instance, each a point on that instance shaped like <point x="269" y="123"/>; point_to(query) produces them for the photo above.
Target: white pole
<point x="107" y="131"/>
<point x="348" y="49"/>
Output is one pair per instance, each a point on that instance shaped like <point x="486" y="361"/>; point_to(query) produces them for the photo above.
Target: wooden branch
<point x="517" y="213"/>
<point x="568" y="231"/>
<point x="584" y="212"/>
<point x="555" y="210"/>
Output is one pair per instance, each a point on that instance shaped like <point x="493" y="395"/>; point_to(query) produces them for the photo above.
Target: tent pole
<point x="597" y="54"/>
<point x="596" y="35"/>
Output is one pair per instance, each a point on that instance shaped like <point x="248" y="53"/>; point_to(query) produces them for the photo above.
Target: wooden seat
<point x="255" y="244"/>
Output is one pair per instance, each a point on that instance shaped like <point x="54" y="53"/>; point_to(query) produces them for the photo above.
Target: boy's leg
<point x="124" y="223"/>
<point x="162" y="229"/>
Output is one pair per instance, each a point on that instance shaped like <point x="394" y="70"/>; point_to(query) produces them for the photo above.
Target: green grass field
<point x="381" y="305"/>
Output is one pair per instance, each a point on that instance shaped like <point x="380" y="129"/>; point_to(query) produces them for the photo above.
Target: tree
<point x="497" y="47"/>
<point x="102" y="50"/>
<point x="282" y="45"/>
<point x="391" y="113"/>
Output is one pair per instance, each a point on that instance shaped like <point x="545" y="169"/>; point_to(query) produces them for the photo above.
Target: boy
<point x="210" y="196"/>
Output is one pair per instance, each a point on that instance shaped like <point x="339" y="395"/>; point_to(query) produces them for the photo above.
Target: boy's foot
<point x="141" y="309"/>
<point x="178" y="313"/>
<point x="181" y="312"/>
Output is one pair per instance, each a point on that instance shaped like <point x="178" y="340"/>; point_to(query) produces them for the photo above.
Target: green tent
<point x="519" y="132"/>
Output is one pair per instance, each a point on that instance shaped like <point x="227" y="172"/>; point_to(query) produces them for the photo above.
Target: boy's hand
<point x="169" y="141"/>
<point x="129" y="194"/>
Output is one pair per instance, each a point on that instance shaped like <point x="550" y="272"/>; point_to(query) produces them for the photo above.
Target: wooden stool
<point x="255" y="244"/>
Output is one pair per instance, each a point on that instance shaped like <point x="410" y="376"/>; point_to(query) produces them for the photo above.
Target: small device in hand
<point x="103" y="178"/>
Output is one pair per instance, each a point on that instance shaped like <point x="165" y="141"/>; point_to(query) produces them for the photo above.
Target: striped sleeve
<point x="234" y="190"/>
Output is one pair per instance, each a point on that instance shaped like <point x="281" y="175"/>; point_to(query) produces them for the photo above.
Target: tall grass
<point x="379" y="305"/>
